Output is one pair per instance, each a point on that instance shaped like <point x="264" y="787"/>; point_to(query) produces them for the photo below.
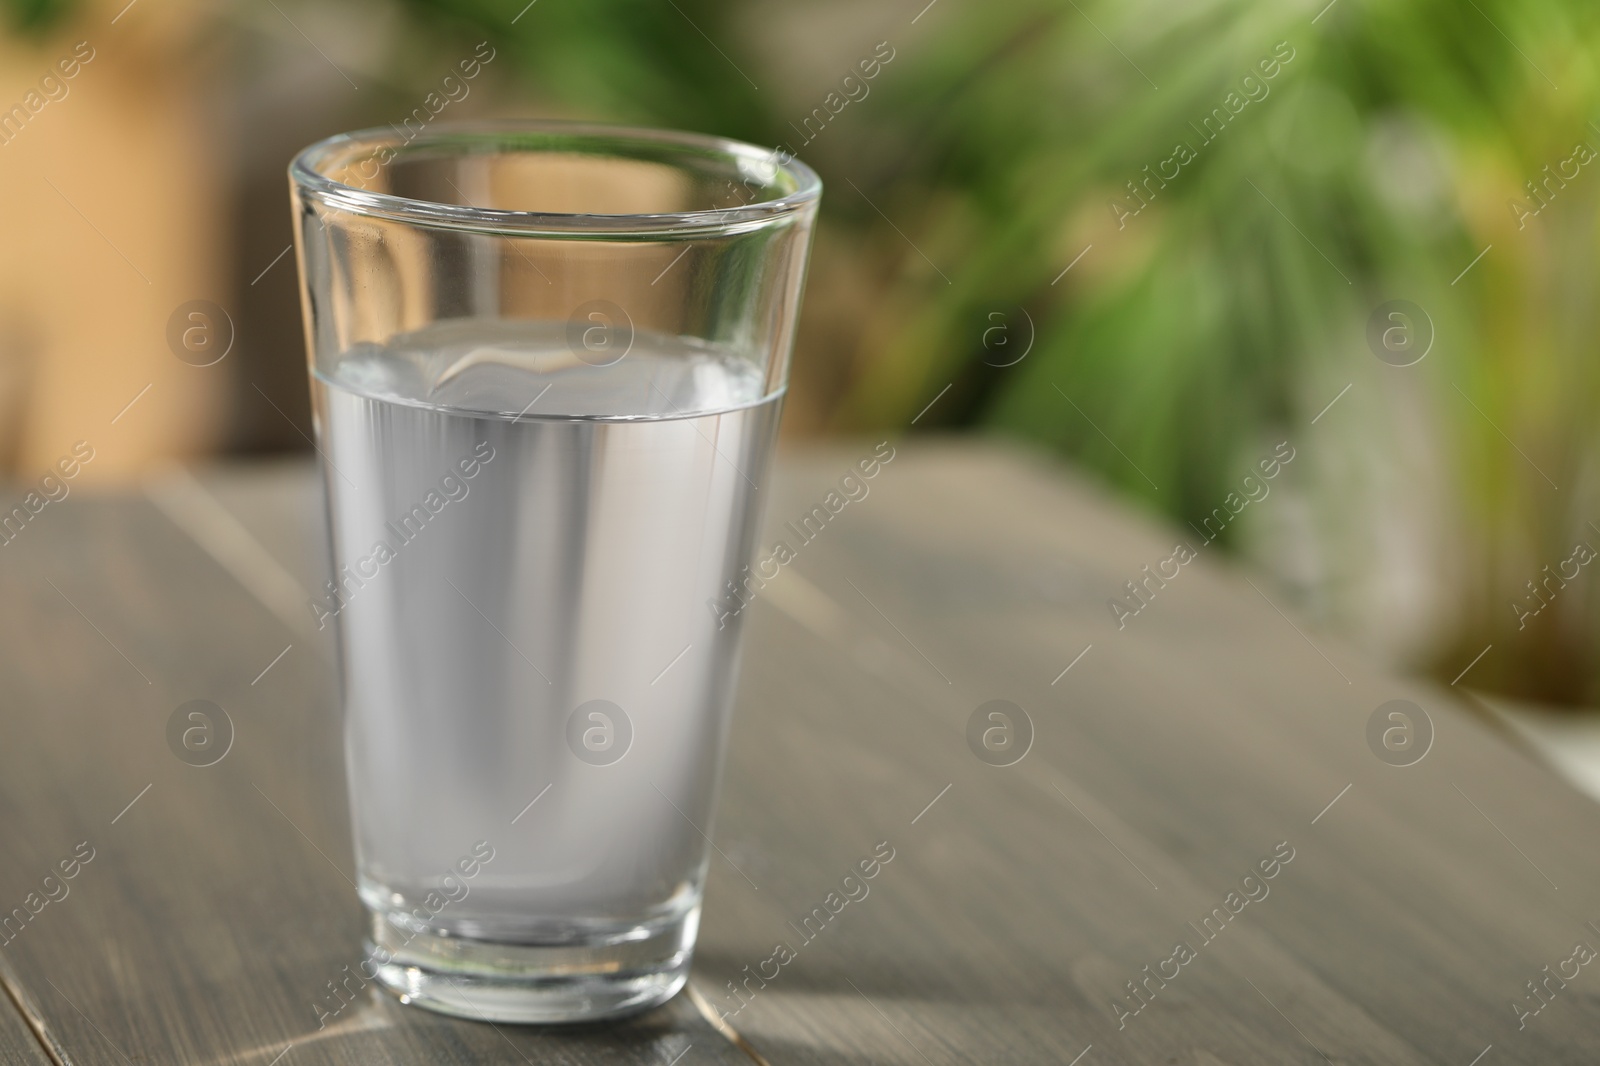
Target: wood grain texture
<point x="1176" y="754"/>
<point x="216" y="905"/>
<point x="1171" y="758"/>
<point x="18" y="1044"/>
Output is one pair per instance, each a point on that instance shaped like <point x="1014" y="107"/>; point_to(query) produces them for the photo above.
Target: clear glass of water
<point x="547" y="362"/>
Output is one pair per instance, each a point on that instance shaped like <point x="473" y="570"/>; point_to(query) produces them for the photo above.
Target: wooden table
<point x="1171" y="758"/>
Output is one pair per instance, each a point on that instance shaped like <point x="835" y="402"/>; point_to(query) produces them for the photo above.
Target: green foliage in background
<point x="32" y="16"/>
<point x="1221" y="308"/>
<point x="621" y="59"/>
<point x="1222" y="282"/>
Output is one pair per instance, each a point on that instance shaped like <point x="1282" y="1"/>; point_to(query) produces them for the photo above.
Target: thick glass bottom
<point x="630" y="971"/>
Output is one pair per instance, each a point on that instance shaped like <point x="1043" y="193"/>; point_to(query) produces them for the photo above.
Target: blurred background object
<point x="115" y="211"/>
<point x="1175" y="243"/>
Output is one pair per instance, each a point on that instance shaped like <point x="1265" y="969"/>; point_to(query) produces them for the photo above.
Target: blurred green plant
<point x="1220" y="308"/>
<point x="639" y="59"/>
<point x="32" y="16"/>
<point x="1218" y="299"/>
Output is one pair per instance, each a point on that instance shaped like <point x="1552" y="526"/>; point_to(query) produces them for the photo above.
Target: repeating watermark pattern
<point x="853" y="888"/>
<point x="599" y="732"/>
<point x="52" y="889"/>
<point x="406" y="528"/>
<point x="1542" y="191"/>
<point x="1253" y="888"/>
<point x="53" y="87"/>
<point x="53" y="487"/>
<point x="1544" y="985"/>
<point x="853" y="488"/>
<point x="1400" y="733"/>
<point x="600" y="333"/>
<point x="453" y="888"/>
<point x="1400" y="333"/>
<point x="199" y="733"/>
<point x="1544" y="593"/>
<point x="200" y="333"/>
<point x="999" y="732"/>
<point x="1252" y="489"/>
<point x="1000" y="347"/>
<point x="1143" y="191"/>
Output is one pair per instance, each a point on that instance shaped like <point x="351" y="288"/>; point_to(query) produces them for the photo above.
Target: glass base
<point x="531" y="983"/>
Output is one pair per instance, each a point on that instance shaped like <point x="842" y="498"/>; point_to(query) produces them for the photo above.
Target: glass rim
<point x="308" y="172"/>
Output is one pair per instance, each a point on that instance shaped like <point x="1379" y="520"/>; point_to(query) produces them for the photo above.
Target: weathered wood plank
<point x="212" y="913"/>
<point x="1168" y="761"/>
<point x="18" y="1044"/>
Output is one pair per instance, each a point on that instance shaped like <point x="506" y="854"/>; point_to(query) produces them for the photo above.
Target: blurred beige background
<point x="111" y="206"/>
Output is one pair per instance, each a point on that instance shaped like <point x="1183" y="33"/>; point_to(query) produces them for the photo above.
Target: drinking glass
<point x="547" y="362"/>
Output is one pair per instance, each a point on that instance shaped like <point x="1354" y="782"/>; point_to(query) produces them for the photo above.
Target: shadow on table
<point x="380" y="1028"/>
